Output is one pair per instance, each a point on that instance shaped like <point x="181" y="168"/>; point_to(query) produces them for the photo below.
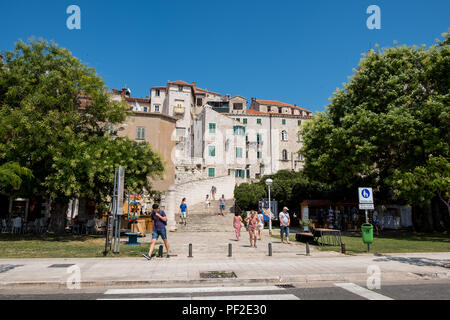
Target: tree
<point x="12" y="176"/>
<point x="55" y="115"/>
<point x="424" y="183"/>
<point x="386" y="124"/>
<point x="247" y="195"/>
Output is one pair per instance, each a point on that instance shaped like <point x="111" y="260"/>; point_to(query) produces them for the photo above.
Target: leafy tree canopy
<point x="55" y="113"/>
<point x="389" y="127"/>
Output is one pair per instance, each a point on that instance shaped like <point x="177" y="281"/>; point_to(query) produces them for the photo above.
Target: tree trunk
<point x="437" y="221"/>
<point x="58" y="218"/>
<point x="426" y="218"/>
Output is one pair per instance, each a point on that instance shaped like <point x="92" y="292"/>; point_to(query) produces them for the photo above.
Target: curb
<point x="304" y="279"/>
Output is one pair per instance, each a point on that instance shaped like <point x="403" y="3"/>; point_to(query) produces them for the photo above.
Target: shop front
<point x="346" y="216"/>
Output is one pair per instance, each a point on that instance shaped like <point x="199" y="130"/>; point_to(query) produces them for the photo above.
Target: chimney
<point x="124" y="92"/>
<point x="194" y="84"/>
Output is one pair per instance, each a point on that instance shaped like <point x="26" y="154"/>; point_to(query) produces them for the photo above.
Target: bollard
<point x="343" y="248"/>
<point x="307" y="249"/>
<point x="160" y="252"/>
<point x="230" y="250"/>
<point x="270" y="249"/>
<point x="190" y="251"/>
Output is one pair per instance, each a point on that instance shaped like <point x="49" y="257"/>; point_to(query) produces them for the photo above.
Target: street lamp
<point x="269" y="182"/>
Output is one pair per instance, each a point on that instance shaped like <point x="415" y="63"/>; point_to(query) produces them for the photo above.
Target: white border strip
<point x="274" y="297"/>
<point x="362" y="292"/>
<point x="190" y="290"/>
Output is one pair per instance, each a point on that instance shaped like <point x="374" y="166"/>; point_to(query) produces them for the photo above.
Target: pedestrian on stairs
<point x="207" y="203"/>
<point x="213" y="193"/>
<point x="222" y="204"/>
<point x="183" y="212"/>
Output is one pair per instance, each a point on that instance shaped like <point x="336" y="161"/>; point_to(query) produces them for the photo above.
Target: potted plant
<point x="306" y="224"/>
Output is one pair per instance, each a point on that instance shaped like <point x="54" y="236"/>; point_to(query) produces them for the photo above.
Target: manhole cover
<point x="61" y="265"/>
<point x="285" y="286"/>
<point x="217" y="275"/>
<point x="7" y="267"/>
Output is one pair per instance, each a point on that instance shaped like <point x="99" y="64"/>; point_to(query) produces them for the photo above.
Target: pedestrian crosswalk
<point x="362" y="292"/>
<point x="241" y="293"/>
<point x="260" y="293"/>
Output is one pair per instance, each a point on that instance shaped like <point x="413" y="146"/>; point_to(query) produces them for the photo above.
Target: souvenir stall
<point x="394" y="216"/>
<point x="136" y="216"/>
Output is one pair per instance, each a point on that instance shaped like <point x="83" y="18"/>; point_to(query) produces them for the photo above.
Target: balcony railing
<point x="179" y="110"/>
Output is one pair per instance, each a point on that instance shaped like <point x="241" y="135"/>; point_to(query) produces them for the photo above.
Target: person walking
<point x="159" y="230"/>
<point x="285" y="222"/>
<point x="222" y="204"/>
<point x="376" y="222"/>
<point x="260" y="225"/>
<point x="252" y="222"/>
<point x="207" y="203"/>
<point x="237" y="224"/>
<point x="213" y="192"/>
<point x="183" y="212"/>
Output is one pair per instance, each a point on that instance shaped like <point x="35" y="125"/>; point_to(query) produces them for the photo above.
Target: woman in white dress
<point x="260" y="224"/>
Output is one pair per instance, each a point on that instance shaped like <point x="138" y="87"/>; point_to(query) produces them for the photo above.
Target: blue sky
<point x="297" y="52"/>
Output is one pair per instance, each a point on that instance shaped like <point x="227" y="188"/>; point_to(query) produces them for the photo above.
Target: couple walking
<point x="222" y="204"/>
<point x="255" y="223"/>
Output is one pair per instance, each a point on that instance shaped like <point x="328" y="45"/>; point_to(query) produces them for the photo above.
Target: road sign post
<point x="366" y="203"/>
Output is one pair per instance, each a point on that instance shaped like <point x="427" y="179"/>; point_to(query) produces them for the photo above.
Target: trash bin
<point x="367" y="233"/>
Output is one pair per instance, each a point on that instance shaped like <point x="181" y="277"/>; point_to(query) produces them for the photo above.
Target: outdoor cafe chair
<point x="42" y="225"/>
<point x="17" y="226"/>
<point x="5" y="226"/>
<point x="90" y="225"/>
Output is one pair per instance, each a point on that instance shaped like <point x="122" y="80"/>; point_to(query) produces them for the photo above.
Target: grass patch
<point x="66" y="246"/>
<point x="394" y="242"/>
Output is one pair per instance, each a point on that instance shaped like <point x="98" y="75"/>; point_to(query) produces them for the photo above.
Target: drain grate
<point x="286" y="286"/>
<point x="7" y="267"/>
<point x="61" y="265"/>
<point x="217" y="275"/>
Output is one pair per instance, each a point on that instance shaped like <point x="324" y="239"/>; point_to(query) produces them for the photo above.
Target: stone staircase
<point x="201" y="220"/>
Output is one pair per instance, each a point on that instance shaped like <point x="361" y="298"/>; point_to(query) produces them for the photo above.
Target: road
<point x="417" y="290"/>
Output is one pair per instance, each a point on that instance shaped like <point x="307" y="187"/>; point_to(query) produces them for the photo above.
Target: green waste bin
<point x="367" y="233"/>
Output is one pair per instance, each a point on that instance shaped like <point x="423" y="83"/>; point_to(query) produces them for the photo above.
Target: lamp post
<point x="269" y="182"/>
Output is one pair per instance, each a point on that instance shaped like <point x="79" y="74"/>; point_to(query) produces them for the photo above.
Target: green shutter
<point x="245" y="121"/>
<point x="212" y="172"/>
<point x="212" y="128"/>
<point x="284" y="122"/>
<point x="258" y="121"/>
<point x="212" y="151"/>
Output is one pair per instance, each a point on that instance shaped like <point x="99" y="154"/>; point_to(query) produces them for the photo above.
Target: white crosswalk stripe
<point x="362" y="292"/>
<point x="264" y="296"/>
<point x="221" y="298"/>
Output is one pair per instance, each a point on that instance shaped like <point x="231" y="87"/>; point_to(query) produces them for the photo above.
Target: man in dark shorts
<point x="159" y="230"/>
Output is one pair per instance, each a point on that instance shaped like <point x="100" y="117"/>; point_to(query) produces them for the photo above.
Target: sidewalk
<point x="182" y="271"/>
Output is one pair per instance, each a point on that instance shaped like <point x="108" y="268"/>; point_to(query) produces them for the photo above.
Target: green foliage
<point x="288" y="189"/>
<point x="12" y="175"/>
<point x="424" y="182"/>
<point x="388" y="126"/>
<point x="248" y="195"/>
<point x="46" y="128"/>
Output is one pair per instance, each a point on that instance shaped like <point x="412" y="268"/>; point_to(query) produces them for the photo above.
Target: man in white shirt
<point x="285" y="222"/>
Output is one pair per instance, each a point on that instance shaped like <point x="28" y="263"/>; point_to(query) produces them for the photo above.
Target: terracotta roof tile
<point x="281" y="104"/>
